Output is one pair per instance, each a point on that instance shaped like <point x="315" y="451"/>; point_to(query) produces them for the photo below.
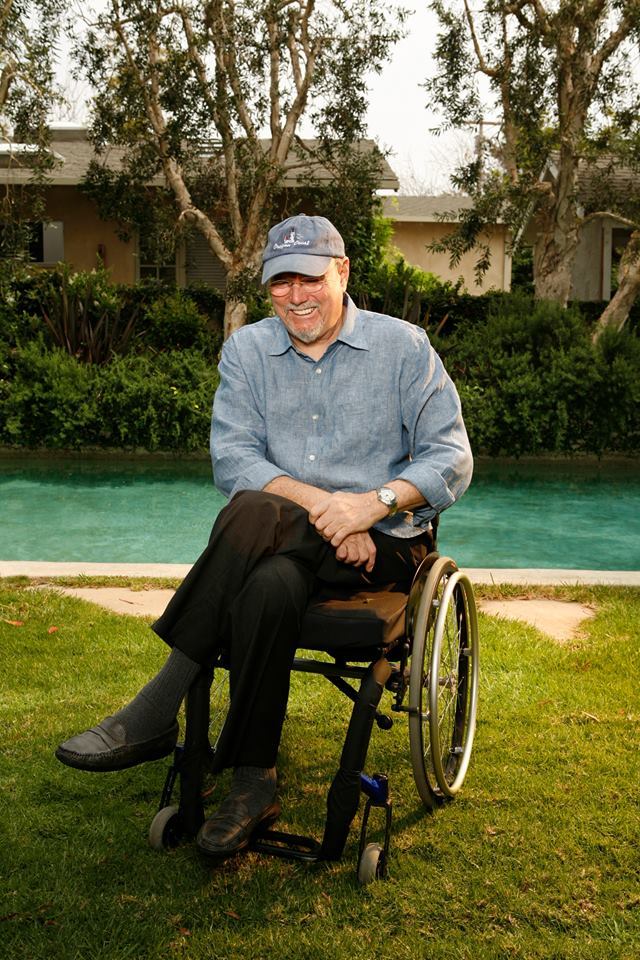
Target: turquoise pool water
<point x="568" y="515"/>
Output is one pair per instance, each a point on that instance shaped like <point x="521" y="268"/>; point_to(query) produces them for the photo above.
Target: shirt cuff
<point x="257" y="476"/>
<point x="430" y="484"/>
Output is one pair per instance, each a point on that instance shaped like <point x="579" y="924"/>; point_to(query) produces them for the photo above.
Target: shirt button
<point x="318" y="370"/>
<point x="314" y="416"/>
<point x="312" y="456"/>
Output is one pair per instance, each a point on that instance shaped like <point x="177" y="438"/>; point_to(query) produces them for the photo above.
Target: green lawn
<point x="538" y="858"/>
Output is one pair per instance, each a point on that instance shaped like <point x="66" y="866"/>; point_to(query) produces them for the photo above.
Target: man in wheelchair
<point x="337" y="436"/>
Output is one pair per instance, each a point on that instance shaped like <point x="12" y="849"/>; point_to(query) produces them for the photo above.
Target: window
<point x="155" y="262"/>
<point x="41" y="243"/>
<point x="46" y="242"/>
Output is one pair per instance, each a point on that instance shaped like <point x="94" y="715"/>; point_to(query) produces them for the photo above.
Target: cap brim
<point x="304" y="263"/>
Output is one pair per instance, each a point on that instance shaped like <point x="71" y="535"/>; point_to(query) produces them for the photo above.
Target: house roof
<point x="597" y="175"/>
<point x="73" y="153"/>
<point x="425" y="209"/>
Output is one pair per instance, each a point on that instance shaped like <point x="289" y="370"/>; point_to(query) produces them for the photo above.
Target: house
<point x="75" y="233"/>
<point x="418" y="221"/>
<point x="603" y="234"/>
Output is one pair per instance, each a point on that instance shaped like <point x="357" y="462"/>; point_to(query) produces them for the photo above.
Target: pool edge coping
<point x="481" y="575"/>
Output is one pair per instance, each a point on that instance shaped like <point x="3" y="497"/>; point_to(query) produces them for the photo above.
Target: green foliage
<point x="173" y="321"/>
<point x="93" y="319"/>
<point x="85" y="314"/>
<point x="49" y="399"/>
<point x="531" y="382"/>
<point x="401" y="290"/>
<point x="555" y="76"/>
<point x="28" y="33"/>
<point x="188" y="91"/>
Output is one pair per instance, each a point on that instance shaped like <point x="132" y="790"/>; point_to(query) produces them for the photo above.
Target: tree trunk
<point x="235" y="316"/>
<point x="616" y="313"/>
<point x="552" y="272"/>
<point x="556" y="244"/>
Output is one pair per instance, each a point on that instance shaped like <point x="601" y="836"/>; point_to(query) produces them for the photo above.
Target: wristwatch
<point x="387" y="496"/>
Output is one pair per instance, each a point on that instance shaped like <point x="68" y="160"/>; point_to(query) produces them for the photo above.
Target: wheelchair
<point x="421" y="647"/>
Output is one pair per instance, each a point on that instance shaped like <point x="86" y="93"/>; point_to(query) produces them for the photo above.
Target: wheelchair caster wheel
<point x="372" y="864"/>
<point x="164" y="832"/>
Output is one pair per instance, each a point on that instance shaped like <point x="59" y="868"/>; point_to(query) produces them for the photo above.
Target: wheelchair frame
<point x="436" y="662"/>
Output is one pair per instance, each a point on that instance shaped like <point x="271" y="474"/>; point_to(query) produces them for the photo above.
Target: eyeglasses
<point x="282" y="288"/>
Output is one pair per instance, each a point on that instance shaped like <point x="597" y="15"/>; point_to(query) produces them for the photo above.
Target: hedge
<point x="49" y="399"/>
<point x="530" y="380"/>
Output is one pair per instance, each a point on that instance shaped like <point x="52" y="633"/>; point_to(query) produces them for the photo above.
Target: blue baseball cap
<point x="301" y="244"/>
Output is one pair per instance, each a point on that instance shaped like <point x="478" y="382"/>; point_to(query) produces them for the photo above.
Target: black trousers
<point x="247" y="594"/>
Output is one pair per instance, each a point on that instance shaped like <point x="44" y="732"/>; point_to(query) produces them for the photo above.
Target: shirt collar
<point x="352" y="332"/>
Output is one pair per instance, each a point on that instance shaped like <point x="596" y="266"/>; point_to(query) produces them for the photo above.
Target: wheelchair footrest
<point x="290" y="846"/>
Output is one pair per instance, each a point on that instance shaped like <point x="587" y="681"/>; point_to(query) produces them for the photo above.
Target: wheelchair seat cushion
<point x="349" y="625"/>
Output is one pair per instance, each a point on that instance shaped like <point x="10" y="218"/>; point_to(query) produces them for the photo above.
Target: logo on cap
<point x="291" y="239"/>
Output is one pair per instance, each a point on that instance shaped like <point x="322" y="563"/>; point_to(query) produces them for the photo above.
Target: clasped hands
<point x="344" y="519"/>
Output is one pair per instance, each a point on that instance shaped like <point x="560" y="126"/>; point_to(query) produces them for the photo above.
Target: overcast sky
<point x="400" y="117"/>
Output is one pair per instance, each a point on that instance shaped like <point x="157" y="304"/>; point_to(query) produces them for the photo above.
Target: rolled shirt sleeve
<point x="441" y="464"/>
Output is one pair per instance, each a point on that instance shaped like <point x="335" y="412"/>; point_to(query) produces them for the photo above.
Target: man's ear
<point x="344" y="273"/>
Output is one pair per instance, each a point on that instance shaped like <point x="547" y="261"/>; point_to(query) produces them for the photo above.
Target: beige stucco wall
<point x="85" y="232"/>
<point x="412" y="238"/>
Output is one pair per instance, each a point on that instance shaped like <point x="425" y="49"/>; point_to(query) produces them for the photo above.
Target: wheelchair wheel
<point x="372" y="864"/>
<point x="443" y="683"/>
<point x="164" y="832"/>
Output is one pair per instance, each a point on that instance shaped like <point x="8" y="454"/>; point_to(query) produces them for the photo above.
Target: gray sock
<point x="150" y="714"/>
<point x="255" y="787"/>
<point x="154" y="709"/>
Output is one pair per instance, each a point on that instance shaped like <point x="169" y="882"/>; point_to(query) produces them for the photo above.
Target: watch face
<point x="387" y="496"/>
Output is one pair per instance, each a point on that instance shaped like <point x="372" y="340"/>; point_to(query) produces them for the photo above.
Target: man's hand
<point x="342" y="514"/>
<point x="358" y="549"/>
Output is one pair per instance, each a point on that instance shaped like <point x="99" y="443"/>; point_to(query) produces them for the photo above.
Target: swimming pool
<point x="568" y="514"/>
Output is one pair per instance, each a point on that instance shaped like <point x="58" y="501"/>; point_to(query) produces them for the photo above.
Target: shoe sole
<point x="268" y="818"/>
<point x="123" y="757"/>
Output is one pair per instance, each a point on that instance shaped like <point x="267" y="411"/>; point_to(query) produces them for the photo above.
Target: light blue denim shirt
<point x="378" y="406"/>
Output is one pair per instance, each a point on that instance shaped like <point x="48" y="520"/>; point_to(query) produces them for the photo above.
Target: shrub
<point x="161" y="403"/>
<point x="93" y="319"/>
<point x="531" y="382"/>
<point x="49" y="399"/>
<point x="172" y="321"/>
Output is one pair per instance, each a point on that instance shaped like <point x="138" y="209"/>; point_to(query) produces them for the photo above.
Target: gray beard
<point x="305" y="336"/>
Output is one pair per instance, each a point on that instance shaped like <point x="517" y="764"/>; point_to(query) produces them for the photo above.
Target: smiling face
<point x="312" y="316"/>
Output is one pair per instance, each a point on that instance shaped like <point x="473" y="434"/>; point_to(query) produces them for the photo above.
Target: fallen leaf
<point x="52" y="630"/>
<point x="232" y="914"/>
<point x="185" y="932"/>
<point x="14" y="623"/>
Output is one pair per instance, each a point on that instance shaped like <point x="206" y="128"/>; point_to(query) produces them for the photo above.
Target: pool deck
<point x="176" y="571"/>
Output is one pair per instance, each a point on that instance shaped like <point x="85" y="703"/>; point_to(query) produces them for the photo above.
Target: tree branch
<point x="482" y="63"/>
